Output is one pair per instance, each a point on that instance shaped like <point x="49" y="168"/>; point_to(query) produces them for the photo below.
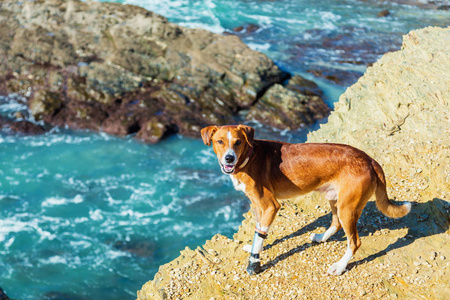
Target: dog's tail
<point x="383" y="203"/>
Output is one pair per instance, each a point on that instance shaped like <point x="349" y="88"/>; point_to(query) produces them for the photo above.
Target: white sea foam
<point x="53" y="201"/>
<point x="132" y="213"/>
<point x="12" y="103"/>
<point x="80" y="244"/>
<point x="56" y="139"/>
<point x="13" y="225"/>
<point x="259" y="47"/>
<point x="113" y="254"/>
<point x="81" y="220"/>
<point x="57" y="259"/>
<point x="329" y="20"/>
<point x="197" y="15"/>
<point x="12" y="107"/>
<point x="142" y="193"/>
<point x="206" y="156"/>
<point x="8" y="226"/>
<point x="290" y="21"/>
<point x="96" y="215"/>
<point x="261" y="20"/>
<point x="216" y="28"/>
<point x="111" y="200"/>
<point x="186" y="228"/>
<point x="226" y="211"/>
<point x="9" y="242"/>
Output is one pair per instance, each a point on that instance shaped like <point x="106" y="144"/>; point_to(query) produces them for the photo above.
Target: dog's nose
<point x="229" y="158"/>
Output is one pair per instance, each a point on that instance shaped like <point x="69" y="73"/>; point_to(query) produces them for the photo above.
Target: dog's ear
<point x="249" y="133"/>
<point x="207" y="134"/>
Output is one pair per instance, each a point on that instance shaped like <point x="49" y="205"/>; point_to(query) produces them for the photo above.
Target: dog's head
<point x="230" y="143"/>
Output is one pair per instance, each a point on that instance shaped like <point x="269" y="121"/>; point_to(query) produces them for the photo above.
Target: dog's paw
<point x="316" y="238"/>
<point x="254" y="268"/>
<point x="247" y="248"/>
<point x="336" y="269"/>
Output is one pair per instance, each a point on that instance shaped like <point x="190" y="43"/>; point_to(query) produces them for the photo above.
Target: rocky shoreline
<point x="124" y="70"/>
<point x="425" y="4"/>
<point x="399" y="113"/>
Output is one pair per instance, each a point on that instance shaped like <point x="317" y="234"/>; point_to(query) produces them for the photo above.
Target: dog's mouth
<point x="228" y="169"/>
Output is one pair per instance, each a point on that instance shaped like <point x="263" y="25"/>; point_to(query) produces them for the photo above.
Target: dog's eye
<point x="220" y="142"/>
<point x="238" y="142"/>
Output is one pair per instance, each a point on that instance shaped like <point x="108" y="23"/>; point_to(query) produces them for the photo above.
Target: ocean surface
<point x="90" y="216"/>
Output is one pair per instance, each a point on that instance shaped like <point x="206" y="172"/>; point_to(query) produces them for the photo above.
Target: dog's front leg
<point x="269" y="207"/>
<point x="254" y="263"/>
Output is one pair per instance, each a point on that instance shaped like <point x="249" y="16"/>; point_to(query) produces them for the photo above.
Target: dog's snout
<point x="229" y="158"/>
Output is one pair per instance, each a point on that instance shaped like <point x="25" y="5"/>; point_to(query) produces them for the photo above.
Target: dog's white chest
<point x="239" y="186"/>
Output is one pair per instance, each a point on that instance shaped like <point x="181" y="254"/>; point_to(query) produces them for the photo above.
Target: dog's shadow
<point x="425" y="219"/>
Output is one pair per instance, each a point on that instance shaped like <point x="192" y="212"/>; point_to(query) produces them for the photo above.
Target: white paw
<point x="314" y="237"/>
<point x="336" y="269"/>
<point x="247" y="248"/>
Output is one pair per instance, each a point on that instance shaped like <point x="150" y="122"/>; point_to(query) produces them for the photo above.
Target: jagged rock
<point x="153" y="131"/>
<point x="26" y="128"/>
<point x="399" y="113"/>
<point x="383" y="13"/>
<point x="44" y="103"/>
<point x="284" y="108"/>
<point x="3" y="296"/>
<point x="304" y="86"/>
<point x="83" y="63"/>
<point x="244" y="30"/>
<point x="21" y="126"/>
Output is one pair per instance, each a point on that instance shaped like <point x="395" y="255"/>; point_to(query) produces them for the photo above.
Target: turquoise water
<point x="90" y="216"/>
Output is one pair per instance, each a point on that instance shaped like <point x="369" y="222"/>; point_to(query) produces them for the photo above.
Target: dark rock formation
<point x="3" y="296"/>
<point x="245" y="30"/>
<point x="424" y="4"/>
<point x="56" y="295"/>
<point x="290" y="106"/>
<point x="123" y="69"/>
<point x="21" y="126"/>
<point x="338" y="76"/>
<point x="383" y="13"/>
<point x="142" y="248"/>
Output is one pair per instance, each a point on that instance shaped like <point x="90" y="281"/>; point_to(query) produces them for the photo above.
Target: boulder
<point x="21" y="126"/>
<point x="282" y="107"/>
<point x="383" y="13"/>
<point x="44" y="103"/>
<point x="304" y="86"/>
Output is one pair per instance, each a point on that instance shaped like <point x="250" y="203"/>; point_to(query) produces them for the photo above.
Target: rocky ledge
<point x="122" y="69"/>
<point x="399" y="113"/>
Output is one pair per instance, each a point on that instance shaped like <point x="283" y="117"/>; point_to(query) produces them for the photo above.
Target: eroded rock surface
<point x="122" y="69"/>
<point x="399" y="113"/>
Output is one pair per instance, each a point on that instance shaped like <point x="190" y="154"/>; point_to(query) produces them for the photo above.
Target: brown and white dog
<point x="267" y="171"/>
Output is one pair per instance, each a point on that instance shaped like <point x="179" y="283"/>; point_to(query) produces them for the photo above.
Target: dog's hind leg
<point x="349" y="209"/>
<point x="334" y="227"/>
<point x="349" y="218"/>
